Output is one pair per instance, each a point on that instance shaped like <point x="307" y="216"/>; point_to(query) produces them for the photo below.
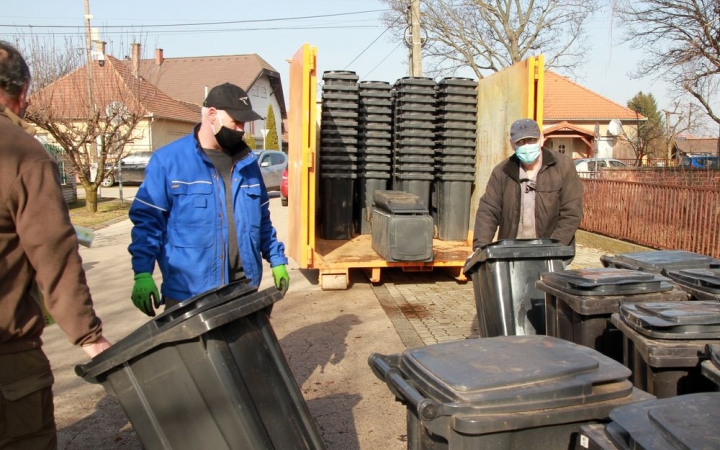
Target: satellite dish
<point x="615" y="127"/>
<point x="116" y="112"/>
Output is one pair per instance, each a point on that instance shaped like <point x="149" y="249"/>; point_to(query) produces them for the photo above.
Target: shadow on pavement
<point x="320" y="348"/>
<point x="106" y="428"/>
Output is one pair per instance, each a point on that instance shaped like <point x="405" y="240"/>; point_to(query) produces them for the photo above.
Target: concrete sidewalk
<point x="327" y="337"/>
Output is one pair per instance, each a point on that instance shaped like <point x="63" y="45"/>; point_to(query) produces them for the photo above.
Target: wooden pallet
<point x="335" y="258"/>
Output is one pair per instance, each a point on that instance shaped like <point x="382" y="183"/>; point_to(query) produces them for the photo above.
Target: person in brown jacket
<point x="37" y="246"/>
<point x="534" y="194"/>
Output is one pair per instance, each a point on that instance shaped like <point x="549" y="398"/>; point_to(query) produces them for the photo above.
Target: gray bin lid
<point x="187" y="320"/>
<point x="606" y="281"/>
<point x="673" y="320"/>
<point x="705" y="281"/>
<point x="685" y="422"/>
<point x="399" y="202"/>
<point x="518" y="249"/>
<point x="657" y="260"/>
<point x="513" y="374"/>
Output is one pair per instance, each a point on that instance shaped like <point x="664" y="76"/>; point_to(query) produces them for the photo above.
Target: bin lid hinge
<point x="310" y="159"/>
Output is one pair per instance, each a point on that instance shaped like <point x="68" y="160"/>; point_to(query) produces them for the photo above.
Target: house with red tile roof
<point x="571" y="113"/>
<point x="115" y="86"/>
<point x="695" y="145"/>
<point x="188" y="79"/>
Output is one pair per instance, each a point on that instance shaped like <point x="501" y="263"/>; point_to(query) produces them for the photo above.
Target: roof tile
<point x="566" y="100"/>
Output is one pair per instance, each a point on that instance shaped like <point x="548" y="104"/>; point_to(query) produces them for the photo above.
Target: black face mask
<point x="229" y="139"/>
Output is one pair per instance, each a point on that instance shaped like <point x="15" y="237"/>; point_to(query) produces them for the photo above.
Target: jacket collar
<point x="29" y="129"/>
<point x="512" y="166"/>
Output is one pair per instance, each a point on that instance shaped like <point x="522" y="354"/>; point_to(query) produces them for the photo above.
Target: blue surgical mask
<point x="528" y="153"/>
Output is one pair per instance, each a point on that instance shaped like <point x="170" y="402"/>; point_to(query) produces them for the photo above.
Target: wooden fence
<point x="655" y="215"/>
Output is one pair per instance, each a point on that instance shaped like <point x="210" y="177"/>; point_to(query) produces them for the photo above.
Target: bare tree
<point x="487" y="36"/>
<point x="49" y="60"/>
<point x="93" y="129"/>
<point x="681" y="43"/>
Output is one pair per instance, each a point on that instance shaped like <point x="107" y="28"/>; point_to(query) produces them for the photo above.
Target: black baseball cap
<point x="233" y="100"/>
<point x="523" y="129"/>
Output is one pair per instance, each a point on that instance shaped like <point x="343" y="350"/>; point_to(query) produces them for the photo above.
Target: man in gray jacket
<point x="534" y="194"/>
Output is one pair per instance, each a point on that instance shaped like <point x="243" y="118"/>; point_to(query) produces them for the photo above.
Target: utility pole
<point x="416" y="48"/>
<point x="91" y="102"/>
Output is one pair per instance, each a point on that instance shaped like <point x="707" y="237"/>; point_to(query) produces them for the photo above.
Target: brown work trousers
<point x="26" y="403"/>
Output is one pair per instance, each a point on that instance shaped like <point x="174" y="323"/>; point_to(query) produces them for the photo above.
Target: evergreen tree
<point x="649" y="137"/>
<point x="271" y="140"/>
<point x="250" y="141"/>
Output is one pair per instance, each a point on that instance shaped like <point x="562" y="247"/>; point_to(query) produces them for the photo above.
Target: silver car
<point x="272" y="164"/>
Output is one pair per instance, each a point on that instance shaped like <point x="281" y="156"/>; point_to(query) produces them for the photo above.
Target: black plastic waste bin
<point x="579" y="303"/>
<point x="701" y="284"/>
<point x="504" y="275"/>
<point x="208" y="373"/>
<point x="503" y="393"/>
<point x="657" y="260"/>
<point x="402" y="229"/>
<point x="663" y="344"/>
<point x="687" y="422"/>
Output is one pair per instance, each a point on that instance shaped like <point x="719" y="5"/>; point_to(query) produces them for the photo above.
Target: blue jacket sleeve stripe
<point x="150" y="205"/>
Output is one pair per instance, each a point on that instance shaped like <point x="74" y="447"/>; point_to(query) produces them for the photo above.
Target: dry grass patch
<point x="108" y="209"/>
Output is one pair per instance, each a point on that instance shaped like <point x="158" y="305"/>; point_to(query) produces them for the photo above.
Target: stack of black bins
<point x="338" y="153"/>
<point x="414" y="152"/>
<point x="374" y="146"/>
<point x="456" y="123"/>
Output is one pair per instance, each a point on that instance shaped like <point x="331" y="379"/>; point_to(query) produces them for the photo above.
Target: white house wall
<point x="261" y="96"/>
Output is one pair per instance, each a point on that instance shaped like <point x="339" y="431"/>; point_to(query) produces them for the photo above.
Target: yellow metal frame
<point x="504" y="97"/>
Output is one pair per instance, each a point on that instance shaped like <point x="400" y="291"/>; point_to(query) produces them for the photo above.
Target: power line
<point x="373" y="42"/>
<point x="383" y="60"/>
<point x="205" y="23"/>
<point x="224" y="30"/>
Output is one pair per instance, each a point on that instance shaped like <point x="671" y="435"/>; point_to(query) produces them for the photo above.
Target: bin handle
<point x="381" y="366"/>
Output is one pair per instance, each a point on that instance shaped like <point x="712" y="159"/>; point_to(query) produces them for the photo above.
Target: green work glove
<point x="142" y="293"/>
<point x="281" y="277"/>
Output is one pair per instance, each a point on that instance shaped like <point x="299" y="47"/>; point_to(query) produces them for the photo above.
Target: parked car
<point x="272" y="163"/>
<point x="284" y="188"/>
<point x="131" y="169"/>
<point x="593" y="165"/>
<point x="700" y="161"/>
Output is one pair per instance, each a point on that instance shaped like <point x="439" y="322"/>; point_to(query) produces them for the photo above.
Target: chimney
<point x="136" y="59"/>
<point x="102" y="45"/>
<point x="159" y="58"/>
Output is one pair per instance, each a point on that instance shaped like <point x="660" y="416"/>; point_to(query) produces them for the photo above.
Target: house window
<point x="561" y="148"/>
<point x="263" y="92"/>
<point x="254" y="91"/>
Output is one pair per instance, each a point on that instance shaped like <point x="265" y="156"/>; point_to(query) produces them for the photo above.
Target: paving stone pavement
<point x="434" y="308"/>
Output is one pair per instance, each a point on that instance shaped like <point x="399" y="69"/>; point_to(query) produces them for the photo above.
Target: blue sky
<point x="345" y="42"/>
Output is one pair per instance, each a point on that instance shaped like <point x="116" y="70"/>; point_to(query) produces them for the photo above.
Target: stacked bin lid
<point x="456" y="123"/>
<point x="413" y="153"/>
<point x="674" y="320"/>
<point x="658" y="260"/>
<point x="664" y="343"/>
<point x="701" y="284"/>
<point x="579" y="303"/>
<point x="339" y="125"/>
<point x="338" y="153"/>
<point x="606" y="281"/>
<point x="374" y="145"/>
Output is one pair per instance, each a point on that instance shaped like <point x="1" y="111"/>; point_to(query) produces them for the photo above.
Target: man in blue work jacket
<point x="202" y="212"/>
